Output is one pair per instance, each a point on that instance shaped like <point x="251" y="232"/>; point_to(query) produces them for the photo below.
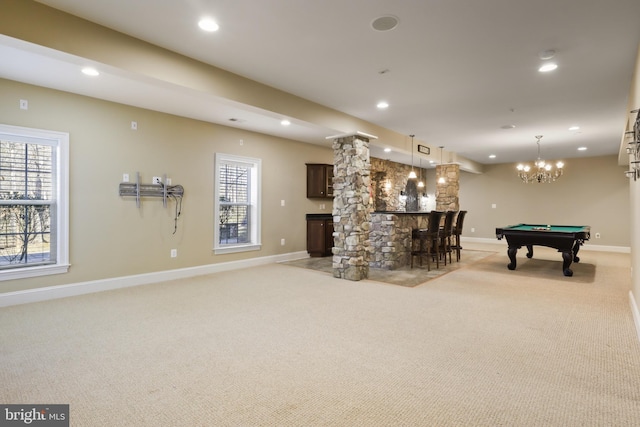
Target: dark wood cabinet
<point x="319" y="181"/>
<point x="319" y="234"/>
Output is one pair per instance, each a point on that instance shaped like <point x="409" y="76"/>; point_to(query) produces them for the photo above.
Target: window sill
<point x="26" y="272"/>
<point x="237" y="248"/>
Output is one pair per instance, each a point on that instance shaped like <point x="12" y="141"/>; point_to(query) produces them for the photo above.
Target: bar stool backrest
<point x="448" y="222"/>
<point x="460" y="222"/>
<point x="434" y="222"/>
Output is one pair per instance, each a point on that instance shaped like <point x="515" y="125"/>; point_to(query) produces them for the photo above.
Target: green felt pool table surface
<point x="547" y="227"/>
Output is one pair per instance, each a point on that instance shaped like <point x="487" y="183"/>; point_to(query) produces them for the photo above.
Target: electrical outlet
<point x="473" y="230"/>
<point x="281" y="202"/>
<point x="134" y="125"/>
<point x="597" y="235"/>
<point x="156" y="180"/>
<point x="168" y="181"/>
<point x="24" y="104"/>
<point x="282" y="242"/>
<point x="174" y="253"/>
<point x="125" y="177"/>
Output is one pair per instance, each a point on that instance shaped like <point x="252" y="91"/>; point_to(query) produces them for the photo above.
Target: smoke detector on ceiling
<point x="385" y="23"/>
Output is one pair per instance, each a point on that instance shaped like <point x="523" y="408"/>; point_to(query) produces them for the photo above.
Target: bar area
<point x="379" y="206"/>
<point x="401" y="206"/>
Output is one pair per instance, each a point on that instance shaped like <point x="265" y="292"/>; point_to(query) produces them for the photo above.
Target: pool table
<point x="565" y="238"/>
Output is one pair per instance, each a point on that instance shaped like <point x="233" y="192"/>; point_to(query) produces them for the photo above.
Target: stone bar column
<point x="351" y="210"/>
<point x="447" y="192"/>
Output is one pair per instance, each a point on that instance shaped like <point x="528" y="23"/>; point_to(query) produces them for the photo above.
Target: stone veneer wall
<point x="388" y="179"/>
<point x="351" y="207"/>
<point x="390" y="238"/>
<point x="447" y="193"/>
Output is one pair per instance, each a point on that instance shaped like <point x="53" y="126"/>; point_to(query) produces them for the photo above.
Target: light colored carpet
<point x="283" y="346"/>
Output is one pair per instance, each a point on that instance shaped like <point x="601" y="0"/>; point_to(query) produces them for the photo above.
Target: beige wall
<point x="593" y="191"/>
<point x="109" y="236"/>
<point x="634" y="194"/>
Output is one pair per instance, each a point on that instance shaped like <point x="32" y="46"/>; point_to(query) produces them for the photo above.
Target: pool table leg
<point x="576" y="248"/>
<point x="511" y="251"/>
<point x="529" y="251"/>
<point x="567" y="257"/>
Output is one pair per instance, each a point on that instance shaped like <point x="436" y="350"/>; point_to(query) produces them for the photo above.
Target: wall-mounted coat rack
<point x="633" y="147"/>
<point x="138" y="190"/>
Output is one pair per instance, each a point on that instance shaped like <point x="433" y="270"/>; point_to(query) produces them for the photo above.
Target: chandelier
<point x="541" y="171"/>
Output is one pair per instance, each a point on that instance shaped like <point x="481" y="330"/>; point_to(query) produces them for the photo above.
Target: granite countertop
<point x="402" y="212"/>
<point x="319" y="216"/>
<point x="330" y="215"/>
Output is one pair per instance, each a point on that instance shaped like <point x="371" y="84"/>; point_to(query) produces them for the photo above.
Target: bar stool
<point x="457" y="231"/>
<point x="446" y="232"/>
<point x="425" y="241"/>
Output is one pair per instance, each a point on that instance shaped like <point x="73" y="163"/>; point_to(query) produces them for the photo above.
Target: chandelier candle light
<point x="542" y="171"/>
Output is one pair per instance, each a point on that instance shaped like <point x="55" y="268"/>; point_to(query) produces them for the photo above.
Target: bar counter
<point x="390" y="237"/>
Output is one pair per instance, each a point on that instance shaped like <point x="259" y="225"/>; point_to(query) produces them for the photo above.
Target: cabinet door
<point x="316" y="181"/>
<point x="316" y="233"/>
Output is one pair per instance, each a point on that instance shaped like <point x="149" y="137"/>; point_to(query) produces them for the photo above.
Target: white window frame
<point x="255" y="185"/>
<point x="60" y="142"/>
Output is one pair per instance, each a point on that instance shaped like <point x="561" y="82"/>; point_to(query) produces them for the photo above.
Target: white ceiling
<point x="458" y="70"/>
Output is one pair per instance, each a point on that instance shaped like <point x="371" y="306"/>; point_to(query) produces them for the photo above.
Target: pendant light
<point x="412" y="174"/>
<point x="420" y="182"/>
<point x="442" y="179"/>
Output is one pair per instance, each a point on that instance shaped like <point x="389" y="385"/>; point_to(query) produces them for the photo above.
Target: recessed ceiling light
<point x="387" y="150"/>
<point x="549" y="66"/>
<point x="285" y="122"/>
<point x="574" y="128"/>
<point x="492" y="156"/>
<point x="90" y="71"/>
<point x="208" y="24"/>
<point x="382" y="105"/>
<point x="582" y="148"/>
<point x="506" y="127"/>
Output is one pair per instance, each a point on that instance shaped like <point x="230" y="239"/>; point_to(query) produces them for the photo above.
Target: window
<point x="237" y="204"/>
<point x="33" y="202"/>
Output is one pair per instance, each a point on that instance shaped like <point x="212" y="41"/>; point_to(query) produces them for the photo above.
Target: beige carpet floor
<point x="283" y="346"/>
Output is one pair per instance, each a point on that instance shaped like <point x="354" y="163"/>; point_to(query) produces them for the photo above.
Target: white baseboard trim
<point x="585" y="247"/>
<point x="635" y="312"/>
<point x="74" y="289"/>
